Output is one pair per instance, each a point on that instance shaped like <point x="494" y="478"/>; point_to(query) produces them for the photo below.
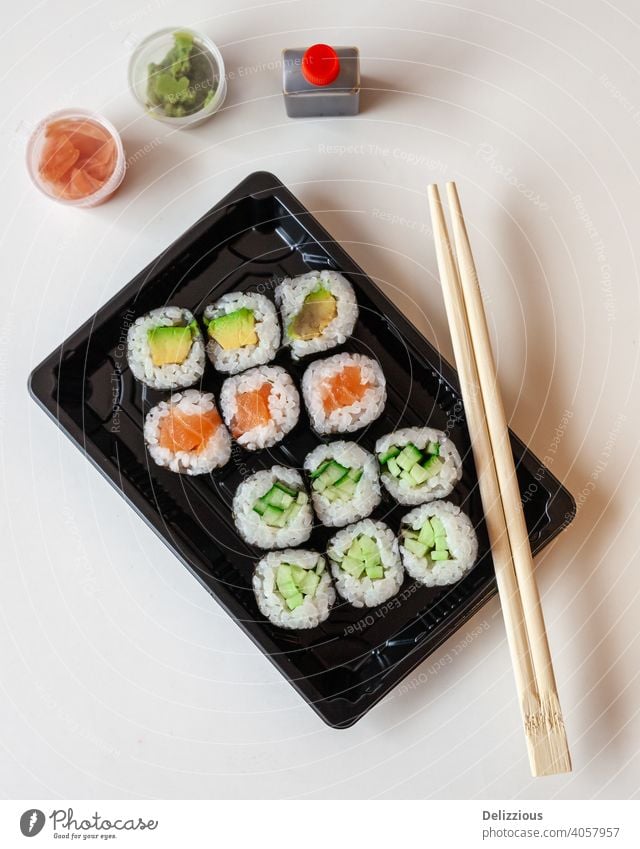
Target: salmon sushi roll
<point x="186" y="434"/>
<point x="260" y="406"/>
<point x="319" y="311"/>
<point x="165" y="349"/>
<point x="344" y="392"/>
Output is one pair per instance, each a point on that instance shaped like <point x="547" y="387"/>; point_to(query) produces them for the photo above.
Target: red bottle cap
<point x="320" y="64"/>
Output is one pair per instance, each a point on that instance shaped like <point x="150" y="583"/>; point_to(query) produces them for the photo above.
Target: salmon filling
<point x="252" y="410"/>
<point x="344" y="388"/>
<point x="189" y="432"/>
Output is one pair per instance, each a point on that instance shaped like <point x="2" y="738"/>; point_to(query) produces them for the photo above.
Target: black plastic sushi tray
<point x="254" y="237"/>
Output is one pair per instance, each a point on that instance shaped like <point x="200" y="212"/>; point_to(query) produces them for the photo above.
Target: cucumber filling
<point x="362" y="560"/>
<point x="429" y="543"/>
<point x="294" y="583"/>
<point x="280" y="505"/>
<point x="410" y="464"/>
<point x="335" y="481"/>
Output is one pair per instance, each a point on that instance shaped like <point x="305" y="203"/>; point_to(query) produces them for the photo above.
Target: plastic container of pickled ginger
<point x="76" y="157"/>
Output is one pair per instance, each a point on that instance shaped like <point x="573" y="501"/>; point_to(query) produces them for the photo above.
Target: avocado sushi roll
<point x="418" y="464"/>
<point x="186" y="434"/>
<point x="344" y="392"/>
<point x="344" y="482"/>
<point x="438" y="544"/>
<point x="293" y="588"/>
<point x="165" y="349"/>
<point x="319" y="311"/>
<point x="242" y="331"/>
<point x="365" y="563"/>
<point x="260" y="406"/>
<point x="271" y="509"/>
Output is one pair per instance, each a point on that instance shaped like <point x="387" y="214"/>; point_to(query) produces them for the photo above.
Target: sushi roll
<point x="365" y="563"/>
<point x="344" y="482"/>
<point x="242" y="331"/>
<point x="344" y="392"/>
<point x="438" y="544"/>
<point x="186" y="434"/>
<point x="319" y="311"/>
<point x="165" y="349"/>
<point x="271" y="509"/>
<point x="293" y="588"/>
<point x="260" y="406"/>
<point x="418" y="464"/>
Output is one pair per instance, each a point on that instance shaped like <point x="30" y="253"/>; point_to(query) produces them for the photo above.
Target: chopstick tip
<point x="433" y="191"/>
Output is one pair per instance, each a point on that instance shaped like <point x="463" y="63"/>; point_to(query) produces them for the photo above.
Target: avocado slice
<point x="236" y="329"/>
<point x="318" y="311"/>
<point x="169" y="344"/>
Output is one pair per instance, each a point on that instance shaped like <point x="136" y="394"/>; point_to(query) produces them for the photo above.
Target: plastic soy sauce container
<point x="321" y="81"/>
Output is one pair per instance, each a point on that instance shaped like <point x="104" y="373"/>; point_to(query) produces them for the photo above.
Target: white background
<point x="120" y="676"/>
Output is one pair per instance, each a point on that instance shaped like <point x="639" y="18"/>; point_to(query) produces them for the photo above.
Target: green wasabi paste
<point x="184" y="82"/>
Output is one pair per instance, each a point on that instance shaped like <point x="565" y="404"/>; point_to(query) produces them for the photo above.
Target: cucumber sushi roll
<point x="260" y="406"/>
<point x="319" y="311"/>
<point x="344" y="482"/>
<point x="186" y="434"/>
<point x="365" y="563"/>
<point x="271" y="509"/>
<point x="165" y="349"/>
<point x="438" y="544"/>
<point x="242" y="331"/>
<point x="293" y="588"/>
<point x="344" y="392"/>
<point x="418" y="464"/>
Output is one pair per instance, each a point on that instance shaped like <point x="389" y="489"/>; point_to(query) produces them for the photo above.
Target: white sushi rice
<point x="290" y="295"/>
<point x="217" y="450"/>
<point x="284" y="405"/>
<point x="172" y="375"/>
<point x="314" y="610"/>
<point x="234" y="360"/>
<point x="461" y="541"/>
<point x="363" y="592"/>
<point x="352" y="417"/>
<point x="249" y="523"/>
<point x="438" y="486"/>
<point x="367" y="495"/>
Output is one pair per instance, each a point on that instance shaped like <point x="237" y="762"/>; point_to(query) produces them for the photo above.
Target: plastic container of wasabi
<point x="177" y="76"/>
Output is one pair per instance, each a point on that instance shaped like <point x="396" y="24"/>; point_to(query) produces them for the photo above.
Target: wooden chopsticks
<point x="526" y="634"/>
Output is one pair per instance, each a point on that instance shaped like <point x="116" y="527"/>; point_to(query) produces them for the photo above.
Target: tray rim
<point x="265" y="183"/>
